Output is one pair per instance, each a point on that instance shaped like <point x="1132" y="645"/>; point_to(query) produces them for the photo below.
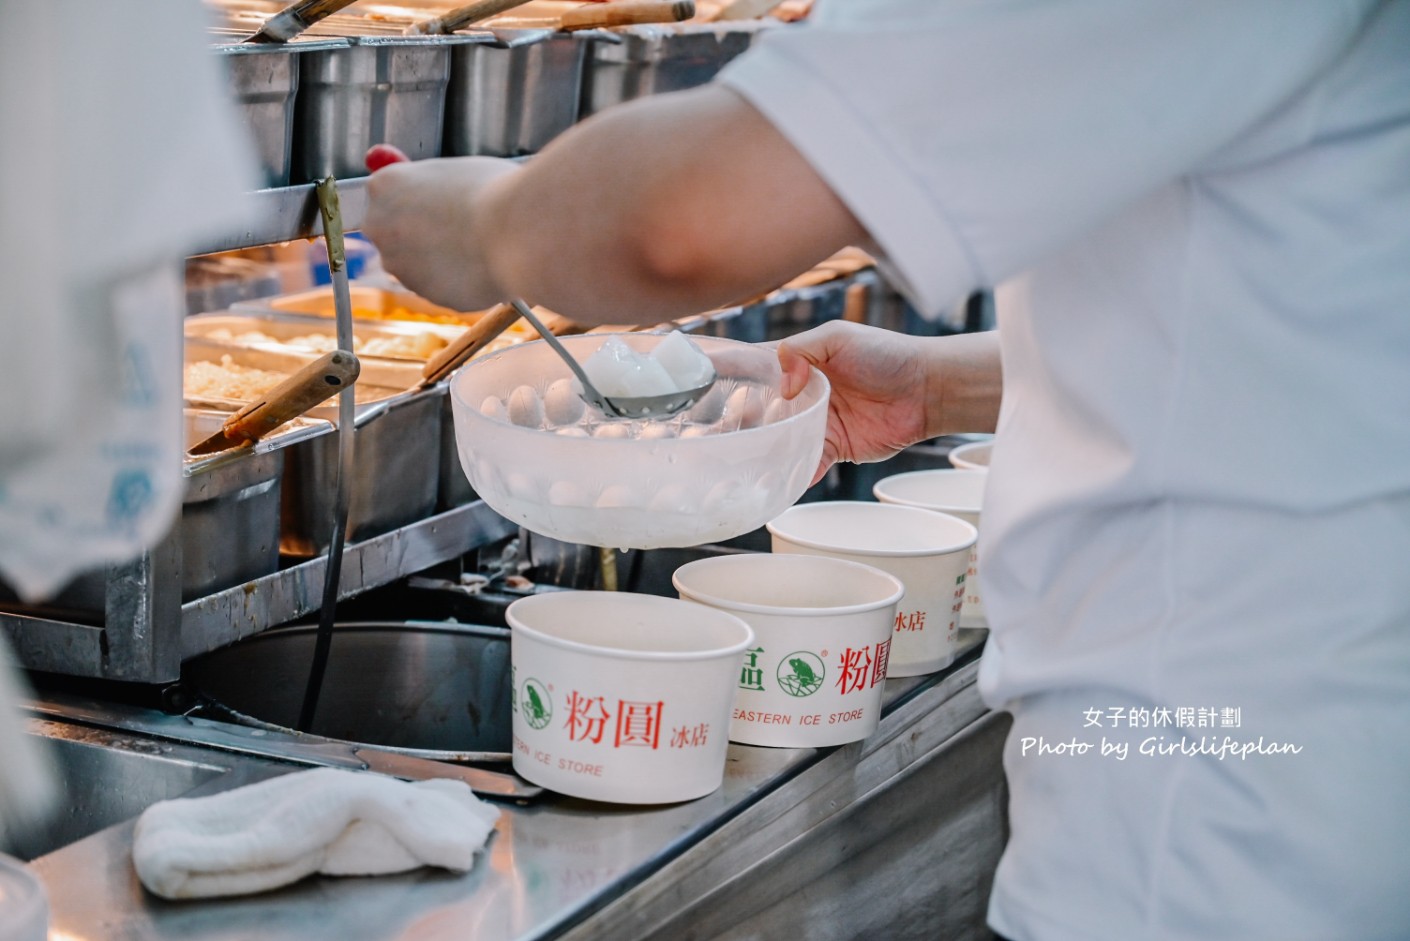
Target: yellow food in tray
<point x="420" y="346"/>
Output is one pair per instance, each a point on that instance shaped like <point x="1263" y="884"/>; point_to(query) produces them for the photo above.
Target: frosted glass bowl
<point x="733" y="462"/>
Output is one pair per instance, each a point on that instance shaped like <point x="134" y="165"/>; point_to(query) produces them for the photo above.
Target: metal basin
<point x="107" y="779"/>
<point x="439" y="691"/>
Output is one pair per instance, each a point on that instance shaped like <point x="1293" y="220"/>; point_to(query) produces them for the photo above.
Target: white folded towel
<point x="339" y="823"/>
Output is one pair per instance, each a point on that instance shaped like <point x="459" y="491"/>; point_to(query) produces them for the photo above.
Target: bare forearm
<point x="643" y="212"/>
<point x="965" y="382"/>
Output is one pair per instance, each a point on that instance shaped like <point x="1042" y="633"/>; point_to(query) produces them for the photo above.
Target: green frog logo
<point x="801" y="673"/>
<point x="538" y="705"/>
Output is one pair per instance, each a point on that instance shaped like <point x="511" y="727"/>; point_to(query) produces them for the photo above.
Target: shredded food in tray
<point x="410" y="346"/>
<point x="228" y="380"/>
<point x="205" y="380"/>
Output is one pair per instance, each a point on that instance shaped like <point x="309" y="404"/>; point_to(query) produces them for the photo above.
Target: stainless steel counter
<point x="562" y="868"/>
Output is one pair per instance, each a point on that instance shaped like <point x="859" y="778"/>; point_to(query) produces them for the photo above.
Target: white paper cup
<point x="972" y="456"/>
<point x="953" y="492"/>
<point x="621" y="697"/>
<point x="24" y="908"/>
<point x="928" y="552"/>
<point x="822" y="627"/>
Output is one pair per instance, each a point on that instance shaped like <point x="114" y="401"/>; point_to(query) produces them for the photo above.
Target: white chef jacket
<point x="1197" y="522"/>
<point x="119" y="149"/>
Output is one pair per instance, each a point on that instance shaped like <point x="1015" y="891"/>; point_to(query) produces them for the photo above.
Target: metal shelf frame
<point x="147" y="633"/>
<point x="283" y="214"/>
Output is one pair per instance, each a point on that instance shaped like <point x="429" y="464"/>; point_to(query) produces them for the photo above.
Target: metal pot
<point x="434" y="690"/>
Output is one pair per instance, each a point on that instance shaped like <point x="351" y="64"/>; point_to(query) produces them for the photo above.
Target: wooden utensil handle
<point x="627" y="12"/>
<point x="475" y="338"/>
<point x="295" y="18"/>
<point x="320" y="379"/>
<point x="745" y="9"/>
<point x="461" y="17"/>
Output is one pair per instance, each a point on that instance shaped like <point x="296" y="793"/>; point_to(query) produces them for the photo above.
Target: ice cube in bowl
<point x="725" y="467"/>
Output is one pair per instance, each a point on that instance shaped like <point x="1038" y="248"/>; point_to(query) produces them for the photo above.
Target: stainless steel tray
<point x="399" y="310"/>
<point x="264" y="82"/>
<point x="229" y="528"/>
<point x="452" y="486"/>
<point x="216" y="282"/>
<point x="396" y="473"/>
<point x="380" y="379"/>
<point x="511" y="96"/>
<point x="373" y="90"/>
<point x="397" y="449"/>
<point x="375" y="303"/>
<point x="230" y="515"/>
<point x="305" y="333"/>
<point x="652" y="58"/>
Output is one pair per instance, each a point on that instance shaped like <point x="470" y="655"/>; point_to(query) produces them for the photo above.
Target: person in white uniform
<point x="1198" y="515"/>
<point x="115" y="166"/>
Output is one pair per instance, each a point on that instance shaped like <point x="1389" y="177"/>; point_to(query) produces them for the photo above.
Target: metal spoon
<point x="621" y="406"/>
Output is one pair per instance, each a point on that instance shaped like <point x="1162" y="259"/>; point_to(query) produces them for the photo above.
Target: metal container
<point x="373" y="90"/>
<point x="264" y="81"/>
<point x="513" y="95"/>
<point x="395" y="475"/>
<point x="404" y="310"/>
<point x="214" y="282"/>
<point x="435" y="690"/>
<point x="452" y="487"/>
<point x="632" y="61"/>
<point x="380" y="379"/>
<point x="230" y="511"/>
<point x="229" y="527"/>
<point x="368" y="303"/>
<point x="396" y="340"/>
<point x="397" y="448"/>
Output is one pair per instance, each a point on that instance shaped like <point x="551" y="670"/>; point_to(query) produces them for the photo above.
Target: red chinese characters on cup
<point x="633" y="724"/>
<point x="860" y="670"/>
